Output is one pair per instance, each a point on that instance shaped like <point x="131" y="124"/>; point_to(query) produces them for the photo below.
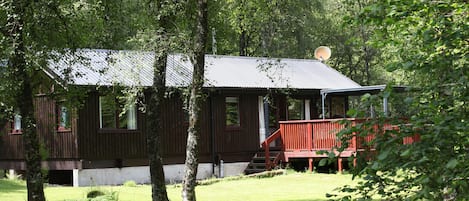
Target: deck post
<point x="385" y="106"/>
<point x="307" y="109"/>
<point x="310" y="136"/>
<point x="323" y="99"/>
<point x="267" y="158"/>
<point x="310" y="164"/>
<point x="339" y="164"/>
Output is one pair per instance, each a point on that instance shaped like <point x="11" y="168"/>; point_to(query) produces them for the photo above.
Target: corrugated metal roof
<point x="134" y="68"/>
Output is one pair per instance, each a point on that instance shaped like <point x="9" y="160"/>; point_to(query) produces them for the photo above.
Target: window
<point x="113" y="115"/>
<point x="63" y="116"/>
<point x="232" y="111"/>
<point x="337" y="107"/>
<point x="296" y="109"/>
<point x="16" y="124"/>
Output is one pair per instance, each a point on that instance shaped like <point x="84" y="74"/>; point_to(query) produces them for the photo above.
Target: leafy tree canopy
<point x="429" y="41"/>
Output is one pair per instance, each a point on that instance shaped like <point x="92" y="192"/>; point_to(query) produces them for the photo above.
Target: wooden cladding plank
<point x="242" y="139"/>
<point x="59" y="145"/>
<point x="99" y="144"/>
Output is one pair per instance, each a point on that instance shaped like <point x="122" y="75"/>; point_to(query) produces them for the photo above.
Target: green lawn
<point x="289" y="187"/>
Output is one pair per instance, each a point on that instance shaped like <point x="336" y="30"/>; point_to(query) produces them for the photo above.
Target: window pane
<point x="232" y="111"/>
<point x="132" y="118"/>
<point x="128" y="119"/>
<point x="296" y="109"/>
<point x="17" y="122"/>
<point x="338" y="107"/>
<point x="108" y="108"/>
<point x="64" y="121"/>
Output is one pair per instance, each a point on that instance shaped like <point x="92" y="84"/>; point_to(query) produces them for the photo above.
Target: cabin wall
<point x="60" y="145"/>
<point x="120" y="147"/>
<point x="236" y="144"/>
<point x="107" y="144"/>
<point x="102" y="148"/>
<point x="175" y="125"/>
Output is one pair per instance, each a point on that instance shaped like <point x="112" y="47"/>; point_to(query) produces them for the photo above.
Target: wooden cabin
<point x="99" y="142"/>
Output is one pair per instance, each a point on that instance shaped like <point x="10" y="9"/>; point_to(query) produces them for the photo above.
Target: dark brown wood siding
<point x="107" y="144"/>
<point x="236" y="144"/>
<point x="175" y="124"/>
<point x="58" y="144"/>
<point x="121" y="144"/>
<point x="103" y="147"/>
<point x="230" y="144"/>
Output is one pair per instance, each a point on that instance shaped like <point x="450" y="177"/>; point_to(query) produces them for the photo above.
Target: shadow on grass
<point x="8" y="186"/>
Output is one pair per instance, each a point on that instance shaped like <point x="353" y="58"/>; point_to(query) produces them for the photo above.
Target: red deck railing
<point x="266" y="146"/>
<point x="311" y="135"/>
<point x="304" y="136"/>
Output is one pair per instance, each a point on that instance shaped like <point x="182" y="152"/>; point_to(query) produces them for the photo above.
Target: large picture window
<point x="232" y="112"/>
<point x="113" y="115"/>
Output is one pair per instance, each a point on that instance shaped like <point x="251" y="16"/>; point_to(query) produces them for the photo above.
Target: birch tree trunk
<point x="24" y="100"/>
<point x="154" y="129"/>
<point x="195" y="102"/>
<point x="154" y="110"/>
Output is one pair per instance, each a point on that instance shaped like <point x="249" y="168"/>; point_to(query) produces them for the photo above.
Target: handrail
<point x="266" y="147"/>
<point x="318" y="120"/>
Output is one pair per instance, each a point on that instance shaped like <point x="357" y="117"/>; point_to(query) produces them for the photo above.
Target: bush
<point x="94" y="193"/>
<point x="98" y="195"/>
<point x="130" y="183"/>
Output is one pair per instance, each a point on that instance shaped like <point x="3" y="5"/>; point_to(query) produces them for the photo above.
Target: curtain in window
<point x="132" y="118"/>
<point x="17" y="122"/>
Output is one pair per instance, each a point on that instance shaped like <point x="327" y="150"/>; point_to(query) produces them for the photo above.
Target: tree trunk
<point x="154" y="113"/>
<point x="154" y="129"/>
<point x="195" y="102"/>
<point x="242" y="43"/>
<point x="24" y="101"/>
<point x="243" y="35"/>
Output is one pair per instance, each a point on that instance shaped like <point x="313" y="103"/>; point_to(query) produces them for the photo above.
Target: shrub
<point x="130" y="183"/>
<point x="94" y="193"/>
<point x="98" y="195"/>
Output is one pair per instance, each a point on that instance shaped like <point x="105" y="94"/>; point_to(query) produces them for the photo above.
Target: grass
<point x="290" y="187"/>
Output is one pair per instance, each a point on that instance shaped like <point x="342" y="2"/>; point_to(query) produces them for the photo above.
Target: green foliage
<point x="130" y="183"/>
<point x="99" y="195"/>
<point x="430" y="43"/>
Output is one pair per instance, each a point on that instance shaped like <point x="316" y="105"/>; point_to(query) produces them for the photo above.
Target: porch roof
<point x="134" y="68"/>
<point x="373" y="89"/>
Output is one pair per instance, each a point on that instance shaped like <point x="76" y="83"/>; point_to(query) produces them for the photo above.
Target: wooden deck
<point x="304" y="138"/>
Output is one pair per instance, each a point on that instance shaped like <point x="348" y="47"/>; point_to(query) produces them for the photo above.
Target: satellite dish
<point x="322" y="53"/>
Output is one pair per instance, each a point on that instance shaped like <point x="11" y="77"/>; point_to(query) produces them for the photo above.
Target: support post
<point x="307" y="109"/>
<point x="267" y="157"/>
<point x="310" y="136"/>
<point x="75" y="173"/>
<point x="262" y="125"/>
<point x="266" y="116"/>
<point x="323" y="99"/>
<point x="310" y="164"/>
<point x="385" y="106"/>
<point x="339" y="164"/>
